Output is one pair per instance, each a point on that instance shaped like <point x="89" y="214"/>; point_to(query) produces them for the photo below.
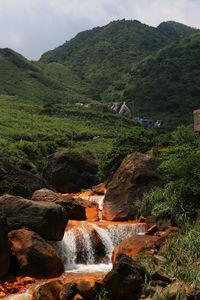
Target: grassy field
<point x="33" y="131"/>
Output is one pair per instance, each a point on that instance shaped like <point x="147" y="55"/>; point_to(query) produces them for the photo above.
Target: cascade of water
<point x="98" y="200"/>
<point x="87" y="245"/>
<point x="23" y="296"/>
<point x="77" y="242"/>
<point x="67" y="249"/>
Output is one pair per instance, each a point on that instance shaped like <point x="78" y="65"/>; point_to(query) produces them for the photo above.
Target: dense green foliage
<point x="167" y="85"/>
<point x="36" y="81"/>
<point x="154" y="69"/>
<point x="185" y="266"/>
<point x="102" y="57"/>
<point x="179" y="198"/>
<point x="175" y="30"/>
<point x="138" y="139"/>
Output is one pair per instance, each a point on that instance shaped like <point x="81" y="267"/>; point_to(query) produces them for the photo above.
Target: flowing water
<point x="79" y="241"/>
<point x="109" y="235"/>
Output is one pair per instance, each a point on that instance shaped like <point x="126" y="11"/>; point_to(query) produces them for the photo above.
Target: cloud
<point x="32" y="27"/>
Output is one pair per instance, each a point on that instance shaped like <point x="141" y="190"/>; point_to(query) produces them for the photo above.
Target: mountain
<point x="102" y="57"/>
<point x="36" y="81"/>
<point x="166" y="85"/>
<point x="175" y="30"/>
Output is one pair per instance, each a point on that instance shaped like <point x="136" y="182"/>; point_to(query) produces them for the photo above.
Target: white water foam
<point x="110" y="237"/>
<point x="24" y="296"/>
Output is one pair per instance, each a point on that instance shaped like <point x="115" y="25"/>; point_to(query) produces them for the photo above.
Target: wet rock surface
<point x="70" y="171"/>
<point x="136" y="175"/>
<point x="134" y="245"/>
<point x="76" y="208"/>
<point x="33" y="256"/>
<point x="47" y="219"/>
<point x="48" y="291"/>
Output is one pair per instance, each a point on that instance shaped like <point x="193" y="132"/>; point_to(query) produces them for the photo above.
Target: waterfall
<point x="88" y="244"/>
<point x="23" y="296"/>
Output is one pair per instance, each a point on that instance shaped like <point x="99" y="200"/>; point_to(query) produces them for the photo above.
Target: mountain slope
<point x="167" y="85"/>
<point x="36" y="81"/>
<point x="102" y="57"/>
<point x="175" y="30"/>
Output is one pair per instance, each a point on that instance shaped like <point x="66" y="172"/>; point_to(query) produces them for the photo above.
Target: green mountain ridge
<point x="102" y="57"/>
<point x="167" y="85"/>
<point x="123" y="60"/>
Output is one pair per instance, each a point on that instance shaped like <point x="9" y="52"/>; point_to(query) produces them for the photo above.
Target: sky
<point x="32" y="27"/>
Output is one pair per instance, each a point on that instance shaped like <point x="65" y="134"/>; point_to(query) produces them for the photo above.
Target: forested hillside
<point x="167" y="85"/>
<point x="102" y="57"/>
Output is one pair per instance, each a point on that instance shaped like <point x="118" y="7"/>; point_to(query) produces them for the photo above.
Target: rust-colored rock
<point x="70" y="171"/>
<point x="12" y="285"/>
<point x="152" y="230"/>
<point x="33" y="255"/>
<point x="78" y="297"/>
<point x="87" y="289"/>
<point x="4" y="248"/>
<point x="76" y="208"/>
<point x="48" y="291"/>
<point x="69" y="290"/>
<point x="134" y="245"/>
<point x="136" y="175"/>
<point x="46" y="219"/>
<point x="99" y="189"/>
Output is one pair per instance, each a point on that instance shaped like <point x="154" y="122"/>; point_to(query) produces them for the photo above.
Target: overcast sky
<point x="32" y="27"/>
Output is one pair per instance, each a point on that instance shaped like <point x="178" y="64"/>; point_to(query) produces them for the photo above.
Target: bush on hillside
<point x="138" y="139"/>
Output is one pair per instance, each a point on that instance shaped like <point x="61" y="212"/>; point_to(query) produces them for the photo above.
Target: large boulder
<point x="4" y="248"/>
<point x="136" y="175"/>
<point x="46" y="219"/>
<point x="69" y="171"/>
<point x="16" y="181"/>
<point x="76" y="208"/>
<point x="33" y="255"/>
<point x="125" y="280"/>
<point x="133" y="245"/>
<point x="48" y="291"/>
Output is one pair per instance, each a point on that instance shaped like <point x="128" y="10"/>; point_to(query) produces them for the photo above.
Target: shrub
<point x="138" y="139"/>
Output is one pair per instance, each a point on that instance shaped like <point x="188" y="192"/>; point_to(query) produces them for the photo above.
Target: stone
<point x="78" y="297"/>
<point x="136" y="175"/>
<point x="69" y="290"/>
<point x="76" y="208"/>
<point x="152" y="230"/>
<point x="4" y="248"/>
<point x="70" y="171"/>
<point x="125" y="280"/>
<point x="33" y="255"/>
<point x="87" y="289"/>
<point x="158" y="275"/>
<point x="46" y="219"/>
<point x="133" y="245"/>
<point x="48" y="291"/>
<point x="16" y="181"/>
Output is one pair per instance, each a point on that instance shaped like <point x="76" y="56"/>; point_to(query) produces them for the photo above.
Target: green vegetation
<point x="175" y="30"/>
<point x="166" y="85"/>
<point x="138" y="139"/>
<point x="102" y="57"/>
<point x="184" y="267"/>
<point x="31" y="131"/>
<point x="179" y="198"/>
